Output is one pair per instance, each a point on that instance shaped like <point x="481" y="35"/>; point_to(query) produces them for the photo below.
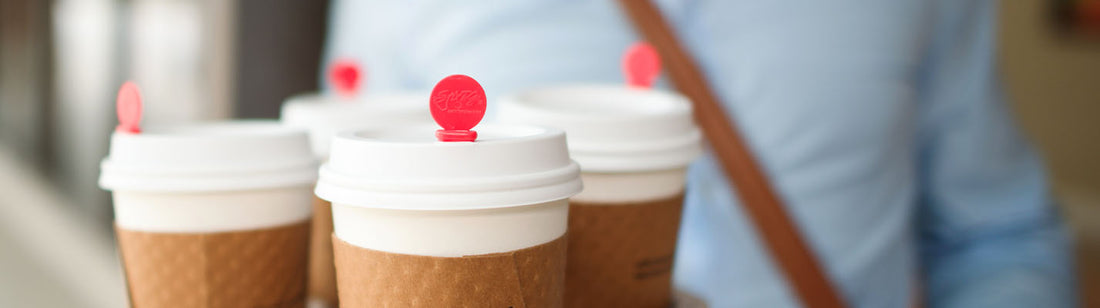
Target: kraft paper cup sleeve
<point x="621" y="255"/>
<point x="254" y="268"/>
<point x="322" y="271"/>
<point x="530" y="277"/>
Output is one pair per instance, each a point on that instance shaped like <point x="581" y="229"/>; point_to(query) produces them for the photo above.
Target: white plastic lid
<point x="220" y="156"/>
<point x="325" y="115"/>
<point x="406" y="168"/>
<point x="612" y="128"/>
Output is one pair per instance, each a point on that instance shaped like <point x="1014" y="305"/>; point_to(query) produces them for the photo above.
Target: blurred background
<point x="61" y="62"/>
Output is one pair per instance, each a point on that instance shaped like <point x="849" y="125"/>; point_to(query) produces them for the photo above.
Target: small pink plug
<point x="641" y="65"/>
<point x="457" y="105"/>
<point x="346" y="77"/>
<point x="128" y="105"/>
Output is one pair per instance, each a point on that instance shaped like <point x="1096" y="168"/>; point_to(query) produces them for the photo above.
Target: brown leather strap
<point x="758" y="199"/>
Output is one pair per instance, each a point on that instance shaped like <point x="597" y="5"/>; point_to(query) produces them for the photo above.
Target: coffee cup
<point x="323" y="116"/>
<point x="634" y="146"/>
<point x="419" y="222"/>
<point x="212" y="215"/>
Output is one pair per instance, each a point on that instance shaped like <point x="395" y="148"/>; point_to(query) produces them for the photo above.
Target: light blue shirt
<point x="881" y="123"/>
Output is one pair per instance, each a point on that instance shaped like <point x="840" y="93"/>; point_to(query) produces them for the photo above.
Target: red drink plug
<point x="641" y="65"/>
<point x="128" y="106"/>
<point x="457" y="105"/>
<point x="346" y="77"/>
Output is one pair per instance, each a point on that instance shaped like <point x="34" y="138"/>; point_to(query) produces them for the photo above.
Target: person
<point x="882" y="125"/>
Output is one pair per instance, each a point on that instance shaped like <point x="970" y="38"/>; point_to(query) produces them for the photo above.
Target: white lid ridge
<point x="217" y="156"/>
<point x="612" y="128"/>
<point x="405" y="167"/>
<point x="325" y="115"/>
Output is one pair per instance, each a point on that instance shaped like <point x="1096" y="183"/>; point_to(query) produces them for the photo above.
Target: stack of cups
<point x="212" y="215"/>
<point x="323" y="116"/>
<point x="450" y="224"/>
<point x="633" y="146"/>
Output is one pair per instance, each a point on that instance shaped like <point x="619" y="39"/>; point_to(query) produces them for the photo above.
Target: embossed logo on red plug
<point x="457" y="105"/>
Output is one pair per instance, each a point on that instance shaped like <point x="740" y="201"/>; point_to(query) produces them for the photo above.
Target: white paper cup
<point x="422" y="222"/>
<point x="632" y="144"/>
<point x="400" y="191"/>
<point x="444" y="233"/>
<point x="211" y="177"/>
<point x="323" y="116"/>
<point x="630" y="187"/>
<point x="212" y="212"/>
<point x="229" y="201"/>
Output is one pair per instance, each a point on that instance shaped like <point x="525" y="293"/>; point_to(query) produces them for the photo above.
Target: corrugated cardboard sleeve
<point x="322" y="272"/>
<point x="621" y="255"/>
<point x="254" y="268"/>
<point x="529" y="277"/>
